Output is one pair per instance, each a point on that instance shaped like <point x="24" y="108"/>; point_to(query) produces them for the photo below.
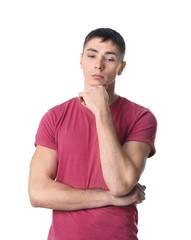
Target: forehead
<point x="98" y="44"/>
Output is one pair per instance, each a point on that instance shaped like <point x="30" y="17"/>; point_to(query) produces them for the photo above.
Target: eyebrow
<point x="107" y="53"/>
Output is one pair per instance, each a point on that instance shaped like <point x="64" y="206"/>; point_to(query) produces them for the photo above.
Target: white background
<point x="40" y="46"/>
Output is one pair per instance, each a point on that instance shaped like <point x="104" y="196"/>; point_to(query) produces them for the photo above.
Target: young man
<point x="92" y="150"/>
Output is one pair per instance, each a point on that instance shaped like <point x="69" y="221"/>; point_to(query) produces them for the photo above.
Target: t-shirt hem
<point x="45" y="145"/>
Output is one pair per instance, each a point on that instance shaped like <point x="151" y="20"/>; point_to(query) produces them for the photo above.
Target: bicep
<point x="43" y="170"/>
<point x="138" y="153"/>
<point x="43" y="164"/>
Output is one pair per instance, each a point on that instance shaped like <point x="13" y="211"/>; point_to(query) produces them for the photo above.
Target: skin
<point x="101" y="62"/>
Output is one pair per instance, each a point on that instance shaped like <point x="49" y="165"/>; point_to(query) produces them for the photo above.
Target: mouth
<point x="97" y="76"/>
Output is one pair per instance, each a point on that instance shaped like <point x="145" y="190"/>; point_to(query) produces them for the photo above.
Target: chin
<point x="96" y="83"/>
<point x="99" y="84"/>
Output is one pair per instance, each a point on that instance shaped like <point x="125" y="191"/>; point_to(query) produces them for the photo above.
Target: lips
<point x="97" y="76"/>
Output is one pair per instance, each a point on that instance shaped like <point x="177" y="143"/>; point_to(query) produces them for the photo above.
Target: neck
<point x="112" y="97"/>
<point x="111" y="92"/>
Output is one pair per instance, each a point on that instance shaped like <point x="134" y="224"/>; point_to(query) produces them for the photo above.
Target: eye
<point x="110" y="59"/>
<point x="91" y="56"/>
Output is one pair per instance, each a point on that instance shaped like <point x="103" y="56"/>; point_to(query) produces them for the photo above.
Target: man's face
<point x="101" y="62"/>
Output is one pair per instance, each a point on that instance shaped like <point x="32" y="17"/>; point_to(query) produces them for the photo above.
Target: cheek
<point x="85" y="69"/>
<point x="112" y="74"/>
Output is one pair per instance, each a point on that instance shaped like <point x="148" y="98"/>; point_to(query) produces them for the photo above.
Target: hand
<point x="95" y="98"/>
<point x="137" y="195"/>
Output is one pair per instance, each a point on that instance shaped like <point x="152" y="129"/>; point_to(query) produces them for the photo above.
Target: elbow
<point x="34" y="197"/>
<point x="39" y="193"/>
<point x="123" y="188"/>
<point x="34" y="200"/>
<point x="120" y="191"/>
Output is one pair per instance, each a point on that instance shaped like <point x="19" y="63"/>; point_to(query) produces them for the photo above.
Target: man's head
<point x="102" y="57"/>
<point x="107" y="34"/>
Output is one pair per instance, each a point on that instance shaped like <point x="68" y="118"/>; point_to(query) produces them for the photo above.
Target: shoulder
<point x="130" y="105"/>
<point x="139" y="118"/>
<point x="57" y="112"/>
<point x="134" y="110"/>
<point x="142" y="123"/>
<point x="63" y="106"/>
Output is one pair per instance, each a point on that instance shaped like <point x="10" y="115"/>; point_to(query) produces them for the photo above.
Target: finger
<point x="141" y="187"/>
<point x="140" y="200"/>
<point x="141" y="193"/>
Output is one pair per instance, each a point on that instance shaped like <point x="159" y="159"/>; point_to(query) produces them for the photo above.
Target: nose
<point x="99" y="64"/>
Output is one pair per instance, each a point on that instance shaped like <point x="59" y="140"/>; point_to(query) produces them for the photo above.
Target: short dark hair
<point x="107" y="34"/>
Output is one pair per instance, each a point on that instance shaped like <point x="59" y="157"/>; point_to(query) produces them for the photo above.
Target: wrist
<point x="103" y="113"/>
<point x="103" y="196"/>
<point x="109" y="198"/>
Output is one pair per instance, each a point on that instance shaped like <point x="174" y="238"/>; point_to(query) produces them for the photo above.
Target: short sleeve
<point x="45" y="135"/>
<point x="144" y="130"/>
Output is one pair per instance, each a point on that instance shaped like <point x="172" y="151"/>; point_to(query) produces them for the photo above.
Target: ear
<point x="123" y="64"/>
<point x="81" y="55"/>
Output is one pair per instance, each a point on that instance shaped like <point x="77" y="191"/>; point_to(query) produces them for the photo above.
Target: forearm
<point x="119" y="171"/>
<point x="58" y="196"/>
<point x="45" y="192"/>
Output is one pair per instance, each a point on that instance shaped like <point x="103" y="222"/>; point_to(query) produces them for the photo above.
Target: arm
<point x="121" y="166"/>
<point x="45" y="192"/>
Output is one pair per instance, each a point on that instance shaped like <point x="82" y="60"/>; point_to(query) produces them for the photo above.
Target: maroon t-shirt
<point x="70" y="129"/>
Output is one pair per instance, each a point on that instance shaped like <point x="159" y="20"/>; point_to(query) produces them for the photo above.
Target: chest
<point x="78" y="151"/>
